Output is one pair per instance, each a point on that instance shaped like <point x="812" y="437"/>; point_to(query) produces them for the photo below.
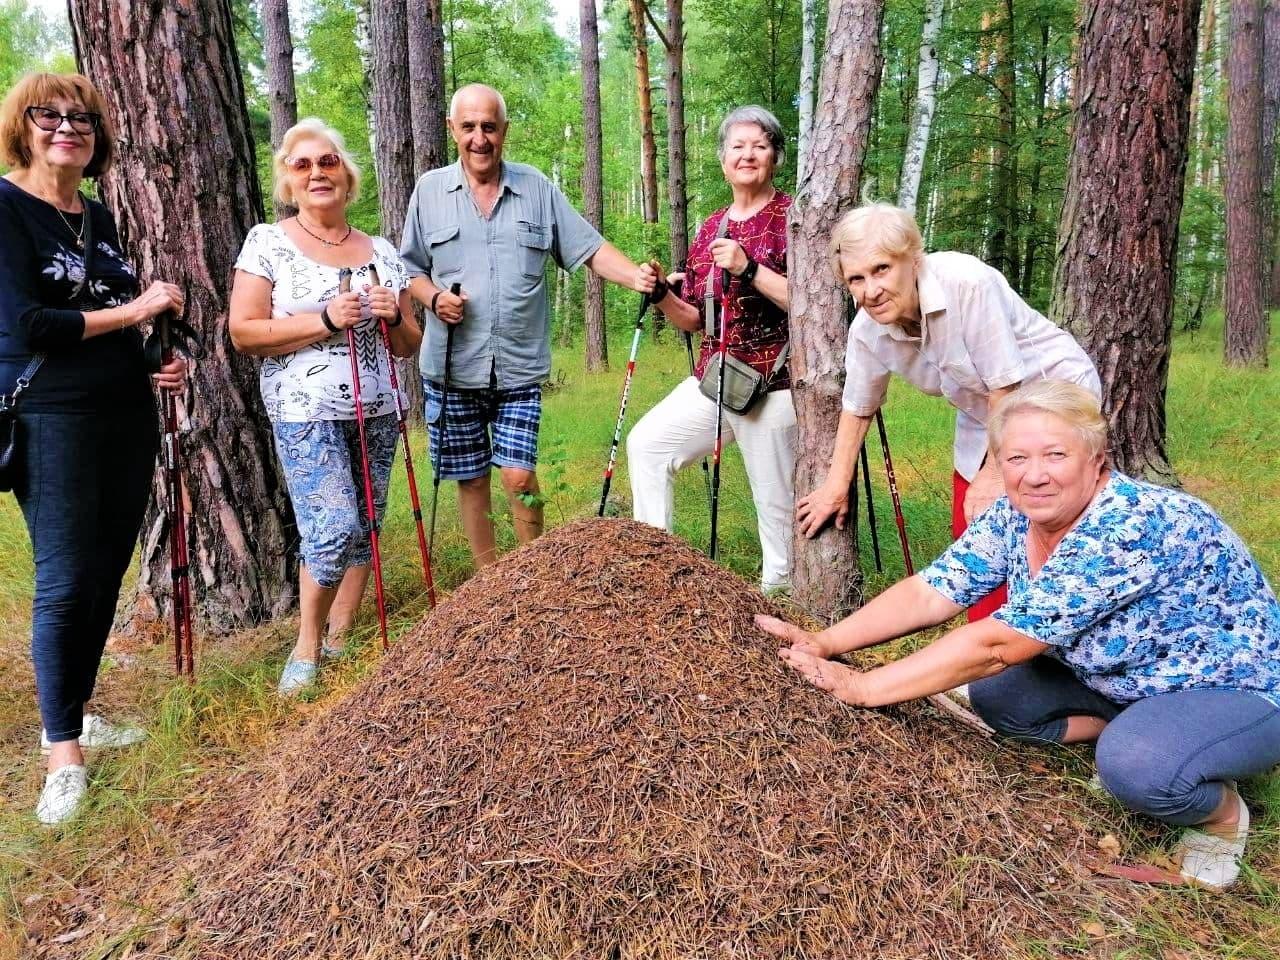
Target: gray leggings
<point x="1165" y="756"/>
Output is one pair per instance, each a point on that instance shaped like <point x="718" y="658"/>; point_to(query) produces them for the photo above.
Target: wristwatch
<point x="748" y="273"/>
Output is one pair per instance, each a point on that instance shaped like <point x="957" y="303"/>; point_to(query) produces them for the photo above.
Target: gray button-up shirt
<point x="501" y="264"/>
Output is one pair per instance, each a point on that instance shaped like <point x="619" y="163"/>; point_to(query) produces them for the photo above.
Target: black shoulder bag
<point x="10" y="432"/>
<point x="743" y="383"/>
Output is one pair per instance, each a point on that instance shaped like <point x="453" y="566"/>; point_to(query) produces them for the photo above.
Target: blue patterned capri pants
<point x="321" y="462"/>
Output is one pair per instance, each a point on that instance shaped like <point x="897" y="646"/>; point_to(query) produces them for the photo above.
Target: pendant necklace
<point x="78" y="234"/>
<point x="327" y="243"/>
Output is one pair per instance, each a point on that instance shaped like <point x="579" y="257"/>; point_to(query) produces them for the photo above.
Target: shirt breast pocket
<point x="534" y="243"/>
<point x="445" y="247"/>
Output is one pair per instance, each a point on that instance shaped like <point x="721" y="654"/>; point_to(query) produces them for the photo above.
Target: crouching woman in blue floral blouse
<point x="1135" y="618"/>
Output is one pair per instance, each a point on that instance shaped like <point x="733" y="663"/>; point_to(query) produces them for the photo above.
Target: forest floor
<point x="1224" y="438"/>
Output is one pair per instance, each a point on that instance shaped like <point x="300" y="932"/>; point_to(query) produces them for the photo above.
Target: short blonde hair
<point x="39" y="90"/>
<point x="1067" y="401"/>
<point x="884" y="227"/>
<point x="311" y="128"/>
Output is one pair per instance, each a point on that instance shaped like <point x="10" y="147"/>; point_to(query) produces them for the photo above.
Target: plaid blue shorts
<point x="511" y="416"/>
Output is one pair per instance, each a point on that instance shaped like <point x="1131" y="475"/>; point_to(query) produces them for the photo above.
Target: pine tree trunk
<point x="184" y="191"/>
<point x="677" y="185"/>
<point x="1033" y="241"/>
<point x="1270" y="127"/>
<point x="1113" y="283"/>
<point x="1245" y="328"/>
<point x="922" y="113"/>
<point x="808" y="67"/>
<point x="648" y="145"/>
<point x="1208" y="65"/>
<point x="389" y="43"/>
<point x="277" y="47"/>
<point x="1003" y="247"/>
<point x="825" y="572"/>
<point x="592" y="180"/>
<point x="426" y="85"/>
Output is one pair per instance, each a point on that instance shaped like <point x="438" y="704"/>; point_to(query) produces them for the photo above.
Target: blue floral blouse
<point x="1150" y="593"/>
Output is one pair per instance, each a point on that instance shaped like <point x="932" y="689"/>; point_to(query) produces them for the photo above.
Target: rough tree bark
<point x="922" y="112"/>
<point x="648" y="144"/>
<point x="426" y="85"/>
<point x="825" y="573"/>
<point x="1270" y="125"/>
<point x="592" y="179"/>
<point x="277" y="47"/>
<point x="184" y="191"/>
<point x="808" y="65"/>
<point x="677" y="184"/>
<point x="1004" y="234"/>
<point x="393" y="158"/>
<point x="1245" y="324"/>
<point x="1113" y="283"/>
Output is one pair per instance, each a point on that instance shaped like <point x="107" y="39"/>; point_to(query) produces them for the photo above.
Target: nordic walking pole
<point x="688" y="349"/>
<point x="403" y="426"/>
<point x="622" y="407"/>
<point x="179" y="568"/>
<point x="719" y="444"/>
<point x="871" y="510"/>
<point x="893" y="492"/>
<point x="371" y="512"/>
<point x="444" y="407"/>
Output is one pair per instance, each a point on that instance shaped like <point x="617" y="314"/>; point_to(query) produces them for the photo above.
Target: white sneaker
<point x="97" y="733"/>
<point x="296" y="677"/>
<point x="62" y="793"/>
<point x="1211" y="861"/>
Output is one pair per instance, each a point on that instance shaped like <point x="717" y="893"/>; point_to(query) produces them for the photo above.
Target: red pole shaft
<point x="893" y="492"/>
<point x="371" y="512"/>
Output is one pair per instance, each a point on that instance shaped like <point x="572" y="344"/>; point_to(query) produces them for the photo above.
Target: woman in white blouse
<point x="948" y="324"/>
<point x="286" y="307"/>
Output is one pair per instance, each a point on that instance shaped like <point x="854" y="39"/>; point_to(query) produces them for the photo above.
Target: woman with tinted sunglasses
<point x="87" y="423"/>
<point x="287" y="307"/>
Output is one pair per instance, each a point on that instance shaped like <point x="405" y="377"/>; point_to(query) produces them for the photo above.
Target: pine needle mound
<point x="590" y="751"/>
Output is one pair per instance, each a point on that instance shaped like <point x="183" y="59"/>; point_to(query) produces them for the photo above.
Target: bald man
<point x="489" y="226"/>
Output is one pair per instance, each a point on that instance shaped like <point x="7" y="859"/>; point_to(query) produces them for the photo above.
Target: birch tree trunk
<point x="644" y="93"/>
<point x="926" y="101"/>
<point x="825" y="572"/>
<point x="1113" y="283"/>
<point x="184" y="191"/>
<point x="808" y="56"/>
<point x="426" y="85"/>
<point x="1245" y="333"/>
<point x="592" y="179"/>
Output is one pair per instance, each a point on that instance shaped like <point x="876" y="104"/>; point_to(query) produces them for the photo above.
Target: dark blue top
<point x="40" y="264"/>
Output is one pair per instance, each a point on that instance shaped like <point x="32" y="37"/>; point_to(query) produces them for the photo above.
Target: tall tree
<point x="393" y="141"/>
<point x="426" y="84"/>
<point x="177" y="139"/>
<point x="825" y="571"/>
<point x="808" y="80"/>
<point x="592" y="178"/>
<point x="926" y="102"/>
<point x="644" y="94"/>
<point x="1113" y="284"/>
<point x="677" y="183"/>
<point x="1270" y="127"/>
<point x="1245" y="340"/>
<point x="1003" y="247"/>
<point x="278" y="52"/>
<point x="1032" y="241"/>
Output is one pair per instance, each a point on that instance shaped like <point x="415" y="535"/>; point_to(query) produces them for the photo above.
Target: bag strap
<point x="9" y="401"/>
<point x="709" y="291"/>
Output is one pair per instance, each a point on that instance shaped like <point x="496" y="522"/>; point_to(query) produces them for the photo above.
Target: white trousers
<point x="681" y="430"/>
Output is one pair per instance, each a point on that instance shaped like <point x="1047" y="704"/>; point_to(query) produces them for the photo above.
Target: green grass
<point x="1224" y="440"/>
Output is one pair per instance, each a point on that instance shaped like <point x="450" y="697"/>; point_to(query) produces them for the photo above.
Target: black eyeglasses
<point x="46" y="118"/>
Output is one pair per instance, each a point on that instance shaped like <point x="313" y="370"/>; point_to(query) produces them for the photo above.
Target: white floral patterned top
<point x="314" y="383"/>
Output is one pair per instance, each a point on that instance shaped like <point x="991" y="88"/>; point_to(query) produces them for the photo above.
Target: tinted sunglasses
<point x="326" y="161"/>
<point x="46" y="118"/>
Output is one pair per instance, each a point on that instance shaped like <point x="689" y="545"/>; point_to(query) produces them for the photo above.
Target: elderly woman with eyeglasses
<point x="287" y="307"/>
<point x="951" y="326"/>
<point x="86" y="423"/>
<point x="748" y="239"/>
<point x="1135" y="618"/>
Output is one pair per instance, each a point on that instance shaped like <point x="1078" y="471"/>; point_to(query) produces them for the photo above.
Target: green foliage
<point x="30" y="41"/>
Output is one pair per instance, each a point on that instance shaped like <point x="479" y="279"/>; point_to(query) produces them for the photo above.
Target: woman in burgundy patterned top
<point x="680" y="430"/>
